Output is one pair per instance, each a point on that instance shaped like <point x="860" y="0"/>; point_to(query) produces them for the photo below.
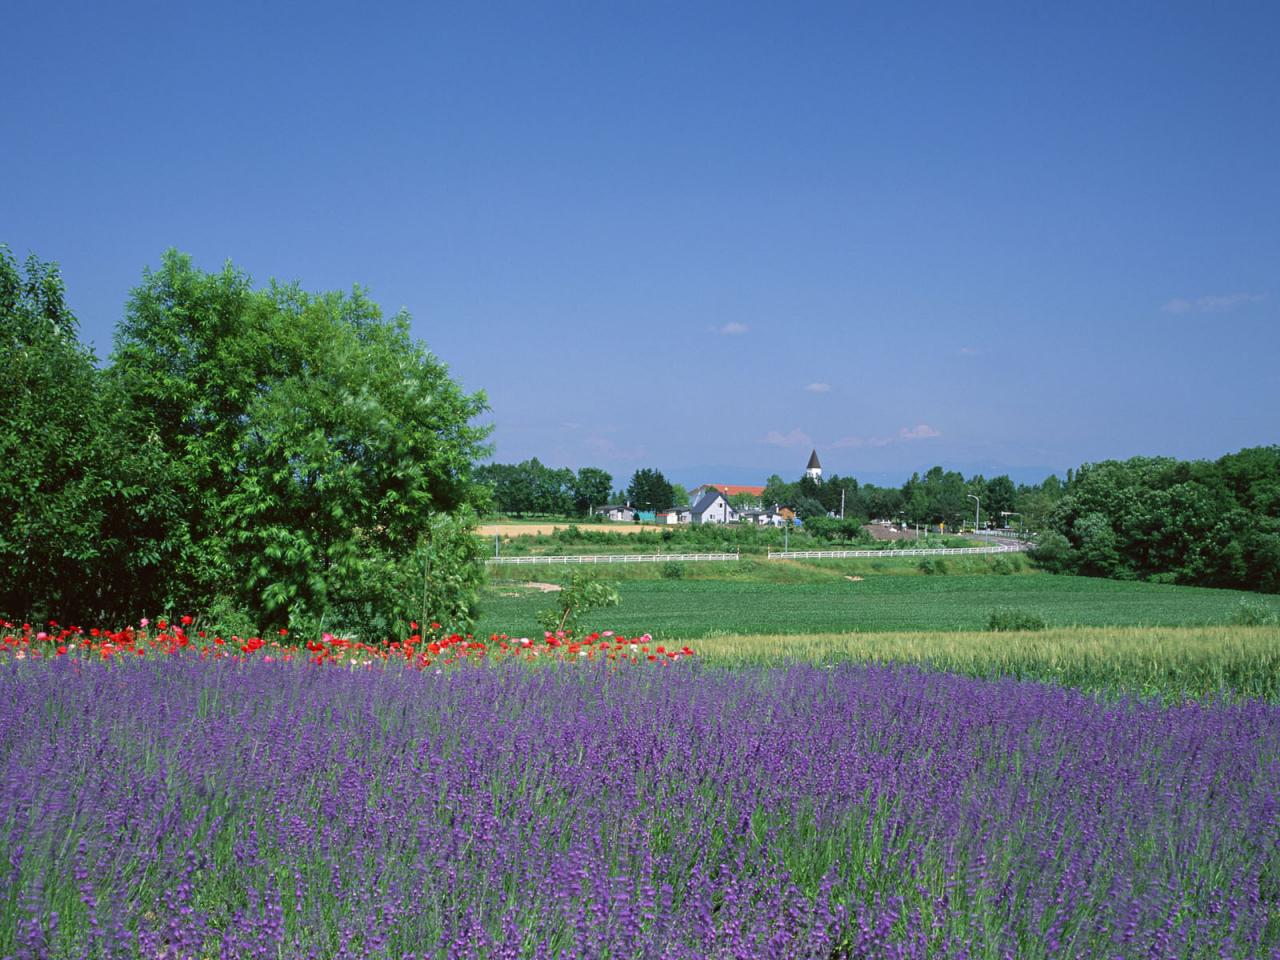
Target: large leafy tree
<point x="315" y="446"/>
<point x="591" y="488"/>
<point x="1183" y="521"/>
<point x="50" y="507"/>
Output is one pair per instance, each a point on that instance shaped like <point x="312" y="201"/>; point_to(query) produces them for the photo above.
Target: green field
<point x="688" y="609"/>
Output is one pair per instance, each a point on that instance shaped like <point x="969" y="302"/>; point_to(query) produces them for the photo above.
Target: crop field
<point x="179" y="807"/>
<point x="1170" y="663"/>
<point x="687" y="608"/>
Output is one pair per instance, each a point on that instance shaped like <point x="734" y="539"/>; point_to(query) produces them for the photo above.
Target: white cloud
<point x="1214" y="304"/>
<point x="819" y="388"/>
<point x="732" y="329"/>
<point x="921" y="431"/>
<point x="795" y="438"/>
<point x="970" y="352"/>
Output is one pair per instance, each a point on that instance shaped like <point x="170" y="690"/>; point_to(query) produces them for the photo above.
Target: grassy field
<point x="689" y="609"/>
<point x="758" y="570"/>
<point x="1169" y="662"/>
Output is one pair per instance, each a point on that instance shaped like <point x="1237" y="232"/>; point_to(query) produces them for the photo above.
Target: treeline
<point x="1156" y="518"/>
<point x="268" y="456"/>
<point x="936" y="497"/>
<point x="531" y="488"/>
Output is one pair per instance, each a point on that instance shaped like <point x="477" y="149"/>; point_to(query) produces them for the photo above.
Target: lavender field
<point x="179" y="808"/>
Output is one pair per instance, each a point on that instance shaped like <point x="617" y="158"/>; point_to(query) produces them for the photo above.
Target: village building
<point x="622" y="513"/>
<point x="712" y="507"/>
<point x="727" y="489"/>
<point x="814" y="470"/>
<point x="675" y="515"/>
<point x="773" y="517"/>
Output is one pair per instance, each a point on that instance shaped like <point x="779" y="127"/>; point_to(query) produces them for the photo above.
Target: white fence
<point x="615" y="558"/>
<point x="919" y="552"/>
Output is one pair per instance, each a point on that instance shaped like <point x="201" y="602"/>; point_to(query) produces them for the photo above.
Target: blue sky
<point x="707" y="237"/>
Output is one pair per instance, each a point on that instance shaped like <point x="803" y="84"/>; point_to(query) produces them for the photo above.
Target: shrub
<point x="932" y="565"/>
<point x="1011" y="619"/>
<point x="1001" y="566"/>
<point x="1053" y="553"/>
<point x="582" y="594"/>
<point x="672" y="570"/>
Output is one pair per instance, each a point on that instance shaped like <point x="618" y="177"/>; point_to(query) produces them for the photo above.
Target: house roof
<point x="705" y="501"/>
<point x="813" y="462"/>
<point x="732" y="489"/>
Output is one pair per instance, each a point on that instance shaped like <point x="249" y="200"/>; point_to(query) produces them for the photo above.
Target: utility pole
<point x="976" y="504"/>
<point x="842" y="503"/>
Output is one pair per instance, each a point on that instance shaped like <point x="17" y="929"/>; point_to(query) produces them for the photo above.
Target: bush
<point x="1053" y="553"/>
<point x="582" y="594"/>
<point x="672" y="570"/>
<point x="1011" y="619"/>
<point x="932" y="565"/>
<point x="1253" y="612"/>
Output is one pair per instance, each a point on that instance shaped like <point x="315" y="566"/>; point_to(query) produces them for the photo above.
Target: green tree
<point x="315" y="444"/>
<point x="777" y="490"/>
<point x="1001" y="497"/>
<point x="649" y="490"/>
<point x="50" y="450"/>
<point x="591" y="488"/>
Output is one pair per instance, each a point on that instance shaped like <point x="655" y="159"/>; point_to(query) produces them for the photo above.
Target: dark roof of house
<point x="706" y="500"/>
<point x="813" y="461"/>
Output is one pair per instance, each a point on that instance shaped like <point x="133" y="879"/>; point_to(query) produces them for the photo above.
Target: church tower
<point x="814" y="470"/>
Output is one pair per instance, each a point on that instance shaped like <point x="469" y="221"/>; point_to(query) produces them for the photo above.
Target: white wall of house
<point x="718" y="511"/>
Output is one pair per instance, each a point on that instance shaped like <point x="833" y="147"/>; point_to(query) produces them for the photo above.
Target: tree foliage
<point x="50" y="504"/>
<point x="289" y="454"/>
<point x="1209" y="523"/>
<point x="649" y="490"/>
<point x="531" y="487"/>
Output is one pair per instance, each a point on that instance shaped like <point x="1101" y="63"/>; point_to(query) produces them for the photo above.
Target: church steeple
<point x="814" y="470"/>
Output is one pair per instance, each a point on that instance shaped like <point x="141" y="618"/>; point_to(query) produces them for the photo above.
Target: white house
<point x="675" y="515"/>
<point x="615" y="512"/>
<point x="712" y="507"/>
<point x="764" y="518"/>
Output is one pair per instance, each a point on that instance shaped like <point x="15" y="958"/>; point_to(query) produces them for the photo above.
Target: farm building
<point x="712" y="507"/>
<point x="675" y="515"/>
<point x="616" y="512"/>
<point x="764" y="518"/>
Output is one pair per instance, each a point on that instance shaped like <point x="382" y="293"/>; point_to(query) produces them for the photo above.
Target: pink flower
<point x="144" y="622"/>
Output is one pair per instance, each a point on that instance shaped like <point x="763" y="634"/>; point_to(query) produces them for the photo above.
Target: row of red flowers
<point x="422" y="648"/>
